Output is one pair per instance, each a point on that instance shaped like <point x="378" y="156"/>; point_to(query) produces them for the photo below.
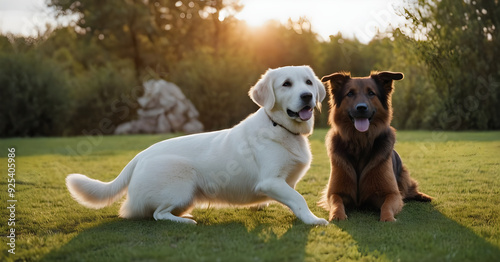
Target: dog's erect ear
<point x="336" y="80"/>
<point x="391" y="75"/>
<point x="262" y="93"/>
<point x="384" y="79"/>
<point x="334" y="84"/>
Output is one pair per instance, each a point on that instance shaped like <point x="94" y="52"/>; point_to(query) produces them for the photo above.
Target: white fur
<point x="250" y="164"/>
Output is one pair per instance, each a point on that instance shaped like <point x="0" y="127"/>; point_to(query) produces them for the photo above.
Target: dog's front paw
<point x="322" y="222"/>
<point x="314" y="220"/>
<point x="337" y="215"/>
<point x="387" y="219"/>
<point x="387" y="216"/>
<point x="317" y="221"/>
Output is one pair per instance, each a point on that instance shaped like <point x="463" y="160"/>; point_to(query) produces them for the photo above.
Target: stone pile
<point x="164" y="109"/>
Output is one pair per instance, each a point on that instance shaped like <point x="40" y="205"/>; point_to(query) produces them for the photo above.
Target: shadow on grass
<point x="421" y="233"/>
<point x="148" y="240"/>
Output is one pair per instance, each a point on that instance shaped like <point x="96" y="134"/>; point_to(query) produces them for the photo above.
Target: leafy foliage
<point x="34" y="96"/>
<point x="106" y="96"/>
<point x="218" y="86"/>
<point x="447" y="52"/>
<point x="461" y="47"/>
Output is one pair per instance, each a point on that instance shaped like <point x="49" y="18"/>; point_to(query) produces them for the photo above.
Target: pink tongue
<point x="361" y="124"/>
<point x="305" y="114"/>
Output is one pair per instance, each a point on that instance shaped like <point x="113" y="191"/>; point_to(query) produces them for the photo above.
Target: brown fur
<point x="365" y="169"/>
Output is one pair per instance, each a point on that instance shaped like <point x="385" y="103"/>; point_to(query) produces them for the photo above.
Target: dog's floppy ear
<point x="384" y="79"/>
<point x="335" y="82"/>
<point x="321" y="93"/>
<point x="320" y="88"/>
<point x="262" y="93"/>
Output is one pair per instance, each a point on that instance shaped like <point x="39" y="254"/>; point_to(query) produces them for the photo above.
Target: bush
<point x="218" y="87"/>
<point x="104" y="97"/>
<point x="33" y="96"/>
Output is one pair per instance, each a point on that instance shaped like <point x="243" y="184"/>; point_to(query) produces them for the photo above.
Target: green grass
<point x="461" y="170"/>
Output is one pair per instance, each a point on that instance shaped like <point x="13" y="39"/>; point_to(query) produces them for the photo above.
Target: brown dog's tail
<point x="407" y="185"/>
<point x="409" y="189"/>
<point x="420" y="197"/>
<point x="412" y="192"/>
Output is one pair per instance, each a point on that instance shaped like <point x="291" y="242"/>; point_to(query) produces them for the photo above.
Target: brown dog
<point x="365" y="169"/>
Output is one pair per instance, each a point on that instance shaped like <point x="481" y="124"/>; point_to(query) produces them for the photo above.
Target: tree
<point x="149" y="33"/>
<point x="414" y="98"/>
<point x="460" y="44"/>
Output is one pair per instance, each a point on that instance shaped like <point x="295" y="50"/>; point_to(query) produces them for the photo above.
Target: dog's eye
<point x="287" y="83"/>
<point x="350" y="94"/>
<point x="371" y="93"/>
<point x="309" y="82"/>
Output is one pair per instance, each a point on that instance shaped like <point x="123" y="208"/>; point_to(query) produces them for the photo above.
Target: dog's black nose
<point x="361" y="107"/>
<point x="306" y="97"/>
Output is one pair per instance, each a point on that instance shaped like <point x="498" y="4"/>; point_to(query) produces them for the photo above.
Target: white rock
<point x="164" y="109"/>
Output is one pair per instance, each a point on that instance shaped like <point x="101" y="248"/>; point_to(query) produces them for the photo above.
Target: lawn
<point x="461" y="170"/>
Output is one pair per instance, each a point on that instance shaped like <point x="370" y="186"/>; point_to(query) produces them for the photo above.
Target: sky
<point x="359" y="18"/>
<point x="24" y="16"/>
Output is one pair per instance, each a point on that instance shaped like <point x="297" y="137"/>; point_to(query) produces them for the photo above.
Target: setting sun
<point x="257" y="13"/>
<point x="356" y="18"/>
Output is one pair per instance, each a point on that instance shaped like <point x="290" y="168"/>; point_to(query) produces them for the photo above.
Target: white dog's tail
<point x="93" y="193"/>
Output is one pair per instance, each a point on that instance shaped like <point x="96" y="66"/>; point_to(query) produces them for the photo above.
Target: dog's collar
<point x="278" y="124"/>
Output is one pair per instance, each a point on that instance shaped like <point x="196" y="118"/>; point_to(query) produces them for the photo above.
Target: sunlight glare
<point x="257" y="15"/>
<point x="361" y="19"/>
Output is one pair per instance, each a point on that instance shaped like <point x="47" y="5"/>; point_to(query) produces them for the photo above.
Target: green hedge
<point x="218" y="87"/>
<point x="33" y="96"/>
<point x="104" y="97"/>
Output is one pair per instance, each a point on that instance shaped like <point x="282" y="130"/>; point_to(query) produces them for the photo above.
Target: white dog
<point x="259" y="160"/>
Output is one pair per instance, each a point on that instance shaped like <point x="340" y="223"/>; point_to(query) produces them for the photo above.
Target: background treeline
<point x="84" y="78"/>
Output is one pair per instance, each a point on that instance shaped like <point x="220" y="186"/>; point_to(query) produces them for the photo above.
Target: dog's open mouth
<point x="304" y="114"/>
<point x="362" y="124"/>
